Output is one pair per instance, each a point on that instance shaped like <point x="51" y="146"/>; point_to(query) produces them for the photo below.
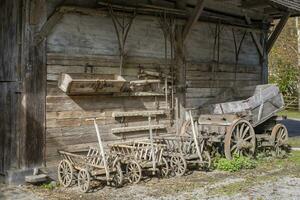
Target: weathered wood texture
<point x="8" y="132"/>
<point x="79" y="40"/>
<point x="9" y="76"/>
<point x="33" y="61"/>
<point x="213" y="66"/>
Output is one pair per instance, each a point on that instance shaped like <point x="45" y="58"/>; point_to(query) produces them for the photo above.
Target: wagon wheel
<point x="186" y="129"/>
<point x="133" y="172"/>
<point x="206" y="160"/>
<point x="65" y="173"/>
<point x="178" y="165"/>
<point x="117" y="177"/>
<point x="84" y="180"/>
<point x="279" y="138"/>
<point x="239" y="139"/>
<point x="164" y="169"/>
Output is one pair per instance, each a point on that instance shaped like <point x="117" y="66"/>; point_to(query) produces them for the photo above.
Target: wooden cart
<point x="183" y="150"/>
<point x="95" y="165"/>
<point x="141" y="156"/>
<point x="87" y="168"/>
<point x="239" y="127"/>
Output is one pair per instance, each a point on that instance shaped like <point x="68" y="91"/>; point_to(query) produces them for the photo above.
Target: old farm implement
<point x="239" y="127"/>
<point x="95" y="165"/>
<point x="182" y="151"/>
<point x="140" y="156"/>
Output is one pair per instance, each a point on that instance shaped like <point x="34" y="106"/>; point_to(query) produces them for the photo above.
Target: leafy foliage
<point x="285" y="76"/>
<point x="236" y="164"/>
<point x="283" y="60"/>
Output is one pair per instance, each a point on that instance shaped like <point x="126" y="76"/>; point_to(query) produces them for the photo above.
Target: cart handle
<point x="92" y="119"/>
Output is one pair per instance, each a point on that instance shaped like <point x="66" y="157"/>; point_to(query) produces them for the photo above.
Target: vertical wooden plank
<point x="34" y="94"/>
<point x="9" y="76"/>
<point x="181" y="69"/>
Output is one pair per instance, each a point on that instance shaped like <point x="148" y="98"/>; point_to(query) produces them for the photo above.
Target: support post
<point x="180" y="68"/>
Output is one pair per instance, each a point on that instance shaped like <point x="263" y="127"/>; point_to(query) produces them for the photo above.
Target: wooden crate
<point x="79" y="83"/>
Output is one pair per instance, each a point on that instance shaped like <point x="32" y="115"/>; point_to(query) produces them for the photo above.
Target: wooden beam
<point x="48" y="26"/>
<point x="255" y="38"/>
<point x="272" y="39"/>
<point x="193" y="19"/>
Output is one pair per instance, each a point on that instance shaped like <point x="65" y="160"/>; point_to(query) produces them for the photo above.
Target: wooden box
<point x="77" y="84"/>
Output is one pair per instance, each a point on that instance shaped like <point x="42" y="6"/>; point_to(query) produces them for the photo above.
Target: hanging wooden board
<point x="77" y="84"/>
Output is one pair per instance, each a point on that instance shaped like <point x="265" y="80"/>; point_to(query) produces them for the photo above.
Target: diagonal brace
<point x="193" y="19"/>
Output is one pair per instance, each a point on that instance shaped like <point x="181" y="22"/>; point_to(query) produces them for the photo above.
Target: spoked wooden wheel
<point x="65" y="173"/>
<point x="84" y="180"/>
<point x="133" y="172"/>
<point x="164" y="168"/>
<point x="239" y="139"/>
<point x="206" y="160"/>
<point x="117" y="177"/>
<point x="178" y="165"/>
<point x="279" y="137"/>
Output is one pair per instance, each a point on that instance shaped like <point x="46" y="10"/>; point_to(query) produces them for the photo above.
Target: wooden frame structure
<point x="35" y="50"/>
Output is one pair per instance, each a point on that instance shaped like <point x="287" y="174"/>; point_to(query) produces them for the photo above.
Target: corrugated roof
<point x="291" y="4"/>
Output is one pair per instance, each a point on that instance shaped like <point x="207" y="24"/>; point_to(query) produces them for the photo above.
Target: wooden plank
<point x="32" y="140"/>
<point x="138" y="113"/>
<point x="136" y="128"/>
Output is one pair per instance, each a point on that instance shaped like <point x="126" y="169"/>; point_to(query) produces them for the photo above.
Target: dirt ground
<point x="272" y="179"/>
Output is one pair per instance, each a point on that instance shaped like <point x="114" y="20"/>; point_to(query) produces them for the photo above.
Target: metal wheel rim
<point x="178" y="165"/>
<point x="84" y="180"/>
<point x="65" y="173"/>
<point x="240" y="139"/>
<point x="133" y="172"/>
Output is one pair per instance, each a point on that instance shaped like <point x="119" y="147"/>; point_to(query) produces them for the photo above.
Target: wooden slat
<point x="136" y="128"/>
<point x="138" y="113"/>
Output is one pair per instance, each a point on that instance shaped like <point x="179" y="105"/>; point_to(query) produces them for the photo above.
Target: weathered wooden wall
<point x="8" y="84"/>
<point x="22" y="84"/>
<point x="80" y="39"/>
<point x="212" y="67"/>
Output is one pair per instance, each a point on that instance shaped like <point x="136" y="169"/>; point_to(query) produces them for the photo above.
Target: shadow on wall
<point x="293" y="127"/>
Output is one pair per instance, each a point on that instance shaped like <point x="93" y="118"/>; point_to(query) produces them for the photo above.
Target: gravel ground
<point x="272" y="179"/>
<point x="286" y="188"/>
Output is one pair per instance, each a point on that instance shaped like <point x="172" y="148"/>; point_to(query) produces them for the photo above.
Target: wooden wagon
<point x="95" y="165"/>
<point x="137" y="157"/>
<point x="239" y="127"/>
<point x="184" y="150"/>
<point x="86" y="168"/>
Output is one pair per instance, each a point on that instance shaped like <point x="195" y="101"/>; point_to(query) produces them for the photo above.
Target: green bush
<point x="236" y="164"/>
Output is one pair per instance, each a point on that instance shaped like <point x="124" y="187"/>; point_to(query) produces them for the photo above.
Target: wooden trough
<point x="77" y="83"/>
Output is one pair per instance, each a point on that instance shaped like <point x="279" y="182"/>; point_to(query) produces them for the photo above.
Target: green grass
<point x="290" y="114"/>
<point x="294" y="142"/>
<point x="236" y="164"/>
<point x="267" y="169"/>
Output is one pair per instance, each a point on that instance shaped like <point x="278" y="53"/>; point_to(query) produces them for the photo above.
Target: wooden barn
<point x="65" y="61"/>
